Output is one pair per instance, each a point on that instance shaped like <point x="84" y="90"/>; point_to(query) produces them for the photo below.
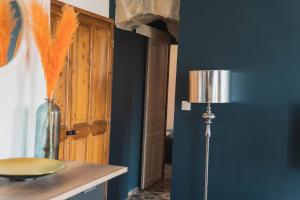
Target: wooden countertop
<point x="74" y="179"/>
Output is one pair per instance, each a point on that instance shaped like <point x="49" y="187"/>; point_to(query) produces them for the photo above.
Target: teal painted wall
<point x="255" y="146"/>
<point x="127" y="109"/>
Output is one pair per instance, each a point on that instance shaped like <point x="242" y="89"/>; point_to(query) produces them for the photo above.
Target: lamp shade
<point x="209" y="86"/>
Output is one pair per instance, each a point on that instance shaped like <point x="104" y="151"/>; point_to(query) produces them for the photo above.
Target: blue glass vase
<point x="47" y="130"/>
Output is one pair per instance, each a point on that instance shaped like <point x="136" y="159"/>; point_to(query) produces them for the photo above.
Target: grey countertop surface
<point x="76" y="178"/>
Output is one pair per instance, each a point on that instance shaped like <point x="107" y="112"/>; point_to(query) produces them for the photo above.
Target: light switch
<point x="185" y="105"/>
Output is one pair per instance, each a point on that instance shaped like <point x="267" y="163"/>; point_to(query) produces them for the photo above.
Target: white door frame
<point x="157" y="35"/>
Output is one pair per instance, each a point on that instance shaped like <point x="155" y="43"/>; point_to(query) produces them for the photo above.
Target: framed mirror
<point x="11" y="30"/>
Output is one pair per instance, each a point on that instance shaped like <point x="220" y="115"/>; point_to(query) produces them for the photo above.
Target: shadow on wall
<point x="127" y="110"/>
<point x="294" y="136"/>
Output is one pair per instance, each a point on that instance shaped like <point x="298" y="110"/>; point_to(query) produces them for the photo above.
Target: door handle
<point x="71" y="132"/>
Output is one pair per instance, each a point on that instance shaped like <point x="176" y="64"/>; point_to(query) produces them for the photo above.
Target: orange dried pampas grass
<point x="7" y="25"/>
<point x="53" y="48"/>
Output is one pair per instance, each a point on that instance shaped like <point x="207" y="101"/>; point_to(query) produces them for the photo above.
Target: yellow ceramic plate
<point x="27" y="168"/>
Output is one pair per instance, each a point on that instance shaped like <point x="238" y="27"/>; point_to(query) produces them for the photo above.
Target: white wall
<point x="22" y="90"/>
<point x="100" y="7"/>
<point x="172" y="87"/>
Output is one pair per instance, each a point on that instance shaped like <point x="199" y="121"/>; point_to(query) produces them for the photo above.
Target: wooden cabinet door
<point x="84" y="90"/>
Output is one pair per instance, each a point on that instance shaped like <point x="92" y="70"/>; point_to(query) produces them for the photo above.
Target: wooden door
<point x="84" y="89"/>
<point x="155" y="111"/>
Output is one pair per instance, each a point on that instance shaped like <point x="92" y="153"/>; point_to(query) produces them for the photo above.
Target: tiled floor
<point x="158" y="191"/>
<point x="168" y="172"/>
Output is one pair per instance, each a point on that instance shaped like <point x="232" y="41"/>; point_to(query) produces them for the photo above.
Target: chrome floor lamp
<point x="209" y="86"/>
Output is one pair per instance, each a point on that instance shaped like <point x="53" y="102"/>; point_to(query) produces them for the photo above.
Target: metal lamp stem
<point x="208" y="117"/>
<point x="209" y="86"/>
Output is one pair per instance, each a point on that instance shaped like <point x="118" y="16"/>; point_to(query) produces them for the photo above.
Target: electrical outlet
<point x="185" y="105"/>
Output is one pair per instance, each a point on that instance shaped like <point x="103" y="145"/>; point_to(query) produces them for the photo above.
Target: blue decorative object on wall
<point x="255" y="152"/>
<point x="16" y="31"/>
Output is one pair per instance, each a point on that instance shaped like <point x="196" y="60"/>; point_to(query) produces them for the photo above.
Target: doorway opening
<point x="170" y="111"/>
<point x="156" y="166"/>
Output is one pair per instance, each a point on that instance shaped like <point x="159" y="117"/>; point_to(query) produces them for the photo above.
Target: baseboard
<point x="134" y="191"/>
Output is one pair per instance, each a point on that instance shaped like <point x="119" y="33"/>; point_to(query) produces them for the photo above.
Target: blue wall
<point x="127" y="109"/>
<point x="255" y="149"/>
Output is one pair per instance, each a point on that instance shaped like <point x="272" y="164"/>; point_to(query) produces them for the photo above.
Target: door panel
<point x="61" y="149"/>
<point x="84" y="89"/>
<point x="81" y="78"/>
<point x="77" y="148"/>
<point x="100" y="58"/>
<point x="98" y="120"/>
<point x="60" y="94"/>
<point x="155" y="111"/>
<point x="95" y="142"/>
